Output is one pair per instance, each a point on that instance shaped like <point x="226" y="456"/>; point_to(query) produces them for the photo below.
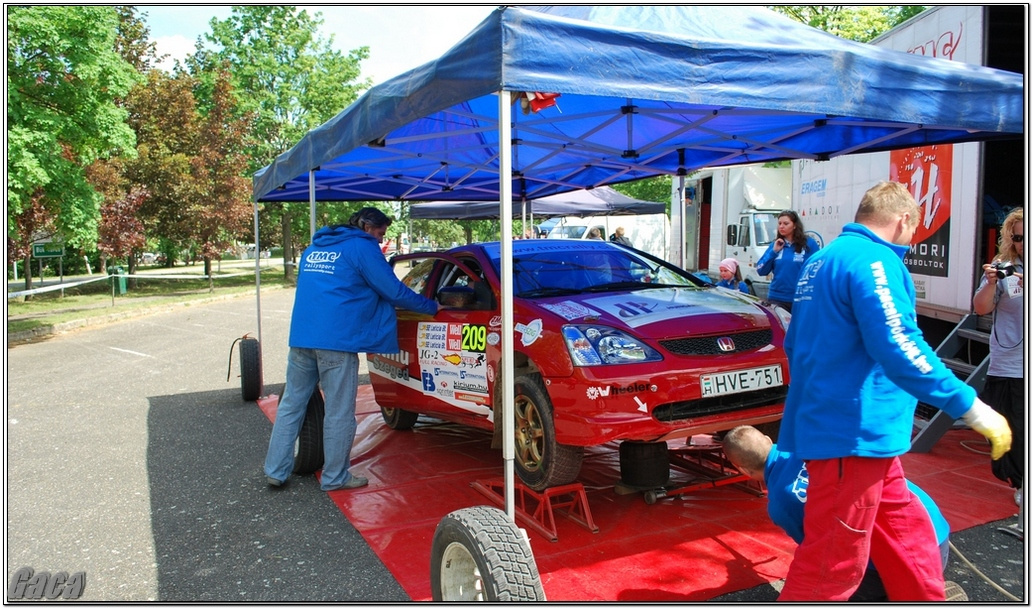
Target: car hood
<point x="662" y="312"/>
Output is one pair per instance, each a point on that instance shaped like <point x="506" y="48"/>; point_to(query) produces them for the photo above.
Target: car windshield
<point x="575" y="267"/>
<point x="765" y="227"/>
<point x="567" y="232"/>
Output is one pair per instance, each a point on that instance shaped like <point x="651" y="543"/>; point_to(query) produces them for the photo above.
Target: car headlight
<point x="783" y="316"/>
<point x="602" y="345"/>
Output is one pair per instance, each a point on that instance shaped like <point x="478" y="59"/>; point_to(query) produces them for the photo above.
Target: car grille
<point x="677" y="411"/>
<point x="708" y="345"/>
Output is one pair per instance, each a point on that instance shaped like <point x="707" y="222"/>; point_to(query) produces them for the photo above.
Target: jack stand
<point x="544" y="504"/>
<point x="708" y="462"/>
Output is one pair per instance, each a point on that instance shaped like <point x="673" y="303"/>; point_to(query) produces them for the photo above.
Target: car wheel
<point x="308" y="450"/>
<point x="396" y="418"/>
<point x="250" y="369"/>
<point x="540" y="461"/>
<point x="644" y="464"/>
<point x="479" y="554"/>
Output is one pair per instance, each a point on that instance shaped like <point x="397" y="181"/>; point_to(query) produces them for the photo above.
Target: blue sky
<point x="399" y="37"/>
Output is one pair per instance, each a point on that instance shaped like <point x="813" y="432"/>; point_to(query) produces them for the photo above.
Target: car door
<point x="446" y="365"/>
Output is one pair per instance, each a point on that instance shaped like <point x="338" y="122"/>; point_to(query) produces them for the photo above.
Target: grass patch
<point x="95" y="300"/>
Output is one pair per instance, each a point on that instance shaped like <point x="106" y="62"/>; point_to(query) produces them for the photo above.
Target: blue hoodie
<point x="786" y="265"/>
<point x="347" y="294"/>
<point x="857" y="359"/>
<point x="786" y="478"/>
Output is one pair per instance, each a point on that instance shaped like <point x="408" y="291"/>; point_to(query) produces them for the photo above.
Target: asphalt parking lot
<point x="132" y="459"/>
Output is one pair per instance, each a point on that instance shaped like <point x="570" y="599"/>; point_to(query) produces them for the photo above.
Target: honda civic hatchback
<point x="611" y="344"/>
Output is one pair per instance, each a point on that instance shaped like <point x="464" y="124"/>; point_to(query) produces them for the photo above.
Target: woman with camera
<point x="1000" y="293"/>
<point x="785" y="258"/>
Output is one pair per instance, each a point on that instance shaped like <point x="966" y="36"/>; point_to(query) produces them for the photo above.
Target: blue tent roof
<point x="644" y="90"/>
<point x="602" y="201"/>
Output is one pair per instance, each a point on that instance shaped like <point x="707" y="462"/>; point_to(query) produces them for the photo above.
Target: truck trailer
<point x="965" y="190"/>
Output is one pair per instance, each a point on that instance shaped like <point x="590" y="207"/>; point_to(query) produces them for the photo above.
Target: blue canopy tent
<point x="602" y="201"/>
<point x="643" y="91"/>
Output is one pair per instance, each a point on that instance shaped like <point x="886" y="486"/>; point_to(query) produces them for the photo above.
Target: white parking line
<point x="131" y="352"/>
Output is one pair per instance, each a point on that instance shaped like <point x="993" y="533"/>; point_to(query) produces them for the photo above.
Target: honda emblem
<point x="725" y="343"/>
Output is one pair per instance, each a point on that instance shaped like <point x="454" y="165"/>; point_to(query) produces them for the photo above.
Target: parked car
<point x="611" y="344"/>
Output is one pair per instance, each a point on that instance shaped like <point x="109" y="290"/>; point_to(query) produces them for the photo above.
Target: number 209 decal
<point x="474" y="338"/>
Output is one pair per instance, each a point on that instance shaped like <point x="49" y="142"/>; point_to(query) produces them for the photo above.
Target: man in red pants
<point x="858" y="362"/>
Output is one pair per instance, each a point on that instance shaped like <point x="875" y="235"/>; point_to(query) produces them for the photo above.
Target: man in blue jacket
<point x="785" y="477"/>
<point x="344" y="305"/>
<point x="858" y="362"/>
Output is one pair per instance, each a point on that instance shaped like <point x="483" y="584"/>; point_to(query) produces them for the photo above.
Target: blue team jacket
<point x="786" y="479"/>
<point x="347" y="294"/>
<point x="857" y="360"/>
<point x="786" y="265"/>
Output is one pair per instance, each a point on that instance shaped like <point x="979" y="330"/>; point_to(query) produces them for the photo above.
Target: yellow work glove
<point x="993" y="426"/>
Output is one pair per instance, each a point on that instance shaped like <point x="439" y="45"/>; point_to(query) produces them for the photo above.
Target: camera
<point x="1003" y="269"/>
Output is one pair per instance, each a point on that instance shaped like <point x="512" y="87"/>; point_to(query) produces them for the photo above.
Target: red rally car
<point x="610" y="344"/>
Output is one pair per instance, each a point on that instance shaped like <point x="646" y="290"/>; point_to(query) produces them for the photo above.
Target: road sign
<point x="48" y="250"/>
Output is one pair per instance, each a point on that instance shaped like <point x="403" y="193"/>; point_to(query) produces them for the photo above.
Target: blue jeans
<point x="338" y="374"/>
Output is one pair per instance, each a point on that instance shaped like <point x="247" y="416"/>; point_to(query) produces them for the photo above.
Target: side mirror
<point x="731" y="235"/>
<point x="457" y="296"/>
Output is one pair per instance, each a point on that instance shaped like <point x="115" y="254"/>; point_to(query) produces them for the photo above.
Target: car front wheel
<point x="540" y="461"/>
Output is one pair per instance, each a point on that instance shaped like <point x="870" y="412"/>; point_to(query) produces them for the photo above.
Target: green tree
<point x="292" y="79"/>
<point x="163" y="113"/>
<point x="219" y="204"/>
<point x="859" y="23"/>
<point x="63" y="79"/>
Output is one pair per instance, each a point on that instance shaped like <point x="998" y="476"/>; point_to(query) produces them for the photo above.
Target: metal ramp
<point x="963" y="351"/>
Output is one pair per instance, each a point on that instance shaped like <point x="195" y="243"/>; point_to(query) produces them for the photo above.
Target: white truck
<point x="963" y="189"/>
<point x="648" y="232"/>
<point x="737" y="211"/>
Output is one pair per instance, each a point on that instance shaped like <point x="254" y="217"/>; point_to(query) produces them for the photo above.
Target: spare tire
<point x="308" y="450"/>
<point x="250" y="369"/>
<point x="644" y="464"/>
<point x="479" y="554"/>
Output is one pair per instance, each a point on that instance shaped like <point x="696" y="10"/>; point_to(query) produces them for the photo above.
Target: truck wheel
<point x="308" y="450"/>
<point x="644" y="464"/>
<point x="479" y="554"/>
<point x="399" y="419"/>
<point x="250" y="369"/>
<point x="540" y="461"/>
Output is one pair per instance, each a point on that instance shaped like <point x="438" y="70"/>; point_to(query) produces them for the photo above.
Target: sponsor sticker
<point x="530" y="332"/>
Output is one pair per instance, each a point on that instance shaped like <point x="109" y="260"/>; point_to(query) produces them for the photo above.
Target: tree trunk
<point x="103" y="264"/>
<point x="27" y="267"/>
<point x="208" y="273"/>
<point x="288" y="248"/>
<point x="131" y="269"/>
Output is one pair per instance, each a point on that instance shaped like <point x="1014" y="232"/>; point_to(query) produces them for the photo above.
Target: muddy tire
<point x="250" y="369"/>
<point x="308" y="450"/>
<point x="645" y="464"/>
<point x="479" y="554"/>
<point x="540" y="461"/>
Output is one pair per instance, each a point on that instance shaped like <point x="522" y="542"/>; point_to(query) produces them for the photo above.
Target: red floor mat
<point x="692" y="547"/>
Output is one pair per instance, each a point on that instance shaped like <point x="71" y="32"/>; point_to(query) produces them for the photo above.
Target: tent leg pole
<point x="506" y="224"/>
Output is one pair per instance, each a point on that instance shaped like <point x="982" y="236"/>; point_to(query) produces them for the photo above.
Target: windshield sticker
<point x="652" y="306"/>
<point x="570" y="310"/>
<point x="529" y="333"/>
<point x="494" y="338"/>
